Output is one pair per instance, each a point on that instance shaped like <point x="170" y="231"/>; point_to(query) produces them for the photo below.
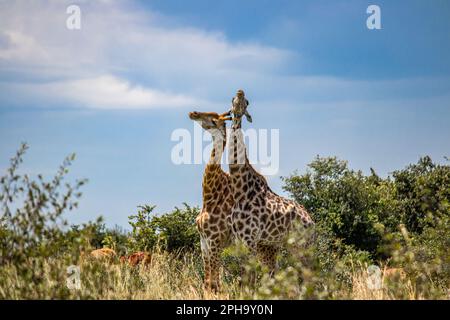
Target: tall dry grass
<point x="391" y="288"/>
<point x="168" y="277"/>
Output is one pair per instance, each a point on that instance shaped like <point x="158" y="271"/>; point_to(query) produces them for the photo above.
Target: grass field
<point x="174" y="277"/>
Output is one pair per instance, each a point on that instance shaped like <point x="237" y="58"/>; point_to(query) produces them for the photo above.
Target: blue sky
<point x="114" y="91"/>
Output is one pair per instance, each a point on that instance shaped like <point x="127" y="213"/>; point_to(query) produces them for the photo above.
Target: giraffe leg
<point x="215" y="269"/>
<point x="211" y="264"/>
<point x="207" y="271"/>
<point x="206" y="262"/>
<point x="268" y="255"/>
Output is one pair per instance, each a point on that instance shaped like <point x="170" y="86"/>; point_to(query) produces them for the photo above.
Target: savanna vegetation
<point x="366" y="225"/>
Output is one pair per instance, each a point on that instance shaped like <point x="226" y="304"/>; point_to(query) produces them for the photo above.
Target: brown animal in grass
<point x="137" y="258"/>
<point x="394" y="273"/>
<point x="103" y="254"/>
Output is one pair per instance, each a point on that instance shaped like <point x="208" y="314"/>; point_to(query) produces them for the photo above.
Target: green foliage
<point x="93" y="235"/>
<point x="31" y="223"/>
<point x="31" y="215"/>
<point x="358" y="210"/>
<point x="143" y="235"/>
<point x="423" y="190"/>
<point x="401" y="221"/>
<point x="424" y="257"/>
<point x="83" y="238"/>
<point x="234" y="259"/>
<point x="301" y="273"/>
<point x="344" y="201"/>
<point x="116" y="239"/>
<point x="171" y="231"/>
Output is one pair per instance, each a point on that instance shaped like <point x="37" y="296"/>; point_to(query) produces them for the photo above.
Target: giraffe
<point x="213" y="220"/>
<point x="259" y="217"/>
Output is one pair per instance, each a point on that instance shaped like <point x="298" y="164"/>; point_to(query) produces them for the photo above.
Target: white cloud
<point x="109" y="92"/>
<point x="126" y="58"/>
<point x="169" y="65"/>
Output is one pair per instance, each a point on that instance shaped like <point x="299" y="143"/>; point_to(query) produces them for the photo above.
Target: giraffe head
<point x="211" y="121"/>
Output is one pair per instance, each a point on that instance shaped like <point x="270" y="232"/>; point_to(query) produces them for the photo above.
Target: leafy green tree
<point x="359" y="210"/>
<point x="344" y="201"/>
<point x="144" y="234"/>
<point x="423" y="190"/>
<point x="170" y="231"/>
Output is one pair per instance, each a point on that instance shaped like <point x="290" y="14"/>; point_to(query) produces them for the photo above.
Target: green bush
<point x="116" y="239"/>
<point x="343" y="201"/>
<point x="31" y="226"/>
<point x="401" y="220"/>
<point x="32" y="211"/>
<point x="171" y="231"/>
<point x="94" y="235"/>
<point x="423" y="190"/>
<point x="78" y="239"/>
<point x="358" y="210"/>
<point x="301" y="273"/>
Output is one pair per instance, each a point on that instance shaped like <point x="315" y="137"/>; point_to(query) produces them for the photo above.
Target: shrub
<point x="358" y="210"/>
<point x="402" y="220"/>
<point x="302" y="274"/>
<point x="348" y="204"/>
<point x="171" y="231"/>
<point x="31" y="225"/>
<point x="424" y="194"/>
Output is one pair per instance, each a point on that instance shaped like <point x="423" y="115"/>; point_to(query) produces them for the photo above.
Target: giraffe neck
<point x="214" y="176"/>
<point x="219" y="142"/>
<point x="244" y="178"/>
